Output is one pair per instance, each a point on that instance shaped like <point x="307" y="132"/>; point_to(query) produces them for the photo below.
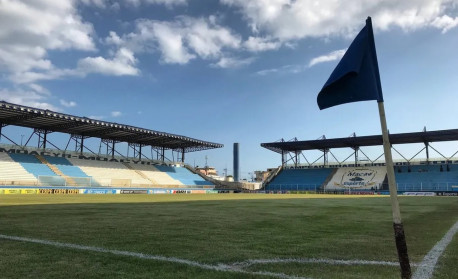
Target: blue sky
<point x="230" y="70"/>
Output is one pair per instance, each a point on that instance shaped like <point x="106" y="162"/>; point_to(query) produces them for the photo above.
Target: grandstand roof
<point x="12" y="114"/>
<point x="353" y="142"/>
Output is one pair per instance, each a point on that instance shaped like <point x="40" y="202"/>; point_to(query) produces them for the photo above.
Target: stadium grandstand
<point x="22" y="165"/>
<point x="419" y="175"/>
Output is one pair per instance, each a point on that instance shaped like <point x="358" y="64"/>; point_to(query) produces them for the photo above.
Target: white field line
<point x="220" y="267"/>
<point x="427" y="265"/>
<point x="312" y="260"/>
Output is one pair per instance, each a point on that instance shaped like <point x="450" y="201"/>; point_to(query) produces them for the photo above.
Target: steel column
<point x="427" y="152"/>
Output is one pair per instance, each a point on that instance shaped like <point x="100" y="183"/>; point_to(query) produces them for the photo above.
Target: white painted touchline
<point x="220" y="267"/>
<point x="429" y="262"/>
<point x="313" y="260"/>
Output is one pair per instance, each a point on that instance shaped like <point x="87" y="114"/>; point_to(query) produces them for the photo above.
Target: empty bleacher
<point x="65" y="166"/>
<point x="299" y="179"/>
<point x="31" y="164"/>
<point x="26" y="169"/>
<point x="12" y="172"/>
<point x="155" y="175"/>
<point x="426" y="177"/>
<point x="110" y="173"/>
<point x="183" y="175"/>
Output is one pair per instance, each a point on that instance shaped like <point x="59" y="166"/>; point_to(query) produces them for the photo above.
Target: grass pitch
<point x="219" y="229"/>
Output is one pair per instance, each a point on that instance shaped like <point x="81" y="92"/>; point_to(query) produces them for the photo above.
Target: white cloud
<point x="114" y="39"/>
<point x="287" y="69"/>
<point x="34" y="76"/>
<point x="295" y="69"/>
<point x="123" y="63"/>
<point x="38" y="88"/>
<point x="29" y="29"/>
<point x="290" y="20"/>
<point x="261" y="44"/>
<point x="68" y="104"/>
<point x="169" y="37"/>
<point x="167" y="3"/>
<point x="116" y="113"/>
<point x="332" y="56"/>
<point x="230" y="62"/>
<point x="99" y="117"/>
<point x="26" y="98"/>
<point x="97" y="3"/>
<point x="445" y="23"/>
<point x="181" y="40"/>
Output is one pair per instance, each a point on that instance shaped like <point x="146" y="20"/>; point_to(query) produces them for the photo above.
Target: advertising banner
<point x="29" y="191"/>
<point x="134" y="191"/>
<point x="98" y="191"/>
<point x="368" y="178"/>
<point x="198" y="191"/>
<point x="448" y="194"/>
<point x="11" y="191"/>
<point x="59" y="191"/>
<point x="158" y="191"/>
<point x="211" y="191"/>
<point x="419" y="194"/>
<point x="181" y="192"/>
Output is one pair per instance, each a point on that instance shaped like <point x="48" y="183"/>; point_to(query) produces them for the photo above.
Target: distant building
<point x="209" y="171"/>
<point x="262" y="175"/>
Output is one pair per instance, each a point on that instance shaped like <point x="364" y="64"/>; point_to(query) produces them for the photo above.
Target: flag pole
<point x="357" y="78"/>
<point x="399" y="235"/>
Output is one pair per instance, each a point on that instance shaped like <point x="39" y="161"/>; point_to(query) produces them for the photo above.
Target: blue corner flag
<point x="356" y="77"/>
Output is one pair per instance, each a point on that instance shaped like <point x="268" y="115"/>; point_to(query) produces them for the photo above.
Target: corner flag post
<point x="399" y="235"/>
<point x="357" y="78"/>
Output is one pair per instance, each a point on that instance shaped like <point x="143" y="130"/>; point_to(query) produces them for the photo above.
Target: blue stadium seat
<point x="65" y="166"/>
<point x="299" y="179"/>
<point x="426" y="177"/>
<point x="184" y="175"/>
<point x="32" y="164"/>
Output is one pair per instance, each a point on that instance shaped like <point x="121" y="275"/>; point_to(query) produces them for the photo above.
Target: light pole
<point x="22" y="137"/>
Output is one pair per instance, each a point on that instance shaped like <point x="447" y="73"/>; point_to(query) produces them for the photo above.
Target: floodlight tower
<point x="236" y="162"/>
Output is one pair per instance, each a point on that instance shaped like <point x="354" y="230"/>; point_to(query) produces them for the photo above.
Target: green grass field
<point x="219" y="229"/>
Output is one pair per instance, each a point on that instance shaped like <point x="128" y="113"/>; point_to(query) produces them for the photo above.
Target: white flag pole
<point x="399" y="235"/>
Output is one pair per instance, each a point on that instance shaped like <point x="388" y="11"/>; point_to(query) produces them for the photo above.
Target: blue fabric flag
<point x="356" y="77"/>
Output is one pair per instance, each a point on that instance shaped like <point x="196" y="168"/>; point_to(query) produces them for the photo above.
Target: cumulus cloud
<point x="123" y="63"/>
<point x="30" y="98"/>
<point x="332" y="56"/>
<point x="287" y="69"/>
<point x="98" y="117"/>
<point x="230" y="62"/>
<point x="68" y="104"/>
<point x="445" y="23"/>
<point x="261" y="44"/>
<point x="32" y="28"/>
<point x="116" y="113"/>
<point x="97" y="3"/>
<point x="113" y="39"/>
<point x="168" y="3"/>
<point x="290" y="20"/>
<point x="135" y="3"/>
<point x="181" y="40"/>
